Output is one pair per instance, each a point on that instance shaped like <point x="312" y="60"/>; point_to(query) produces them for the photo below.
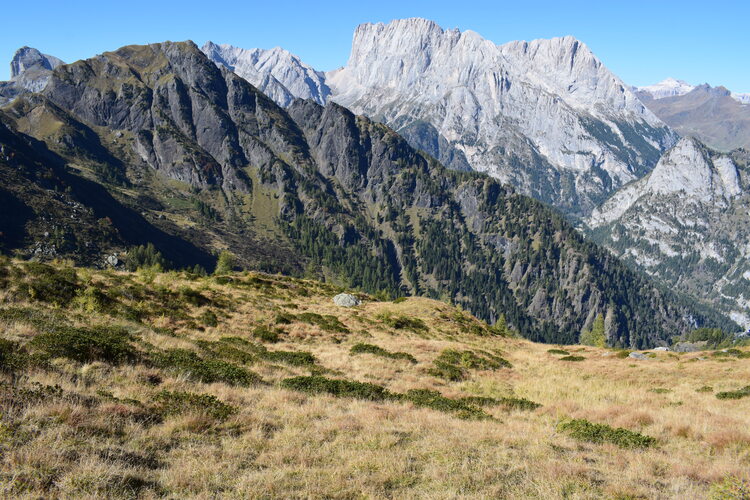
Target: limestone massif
<point x="544" y="116"/>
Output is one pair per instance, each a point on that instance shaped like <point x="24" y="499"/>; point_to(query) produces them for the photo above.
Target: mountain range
<point x="159" y="136"/>
<point x="714" y="115"/>
<point x="544" y="116"/>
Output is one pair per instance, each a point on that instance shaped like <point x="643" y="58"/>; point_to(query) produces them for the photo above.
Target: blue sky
<point x="642" y="42"/>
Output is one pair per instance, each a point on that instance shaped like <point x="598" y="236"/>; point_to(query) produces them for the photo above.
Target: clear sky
<point x="641" y="41"/>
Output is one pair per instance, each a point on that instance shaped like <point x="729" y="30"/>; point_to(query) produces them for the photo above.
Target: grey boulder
<point x="346" y="300"/>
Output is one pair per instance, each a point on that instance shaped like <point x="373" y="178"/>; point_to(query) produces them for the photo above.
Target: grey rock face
<point x="637" y="355"/>
<point x="28" y="59"/>
<point x="280" y="75"/>
<point x="30" y="71"/>
<point x="687" y="223"/>
<point x="346" y="300"/>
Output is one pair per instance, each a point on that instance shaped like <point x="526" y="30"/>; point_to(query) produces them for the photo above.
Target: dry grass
<point x="285" y="444"/>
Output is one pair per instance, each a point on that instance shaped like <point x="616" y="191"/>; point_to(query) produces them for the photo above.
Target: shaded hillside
<point x="206" y="157"/>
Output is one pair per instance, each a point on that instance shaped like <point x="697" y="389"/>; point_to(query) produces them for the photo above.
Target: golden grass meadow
<point x="246" y="385"/>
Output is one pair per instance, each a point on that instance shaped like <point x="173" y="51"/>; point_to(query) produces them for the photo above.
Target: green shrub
<point x="264" y="334"/>
<point x="660" y="390"/>
<point x="12" y="357"/>
<point x="294" y="358"/>
<point x="601" y="433"/>
<point x="193" y="297"/>
<point x="177" y="403"/>
<point x="316" y="384"/>
<point x="101" y="343"/>
<point x="399" y="300"/>
<point x="209" y="318"/>
<point x="434" y="400"/>
<point x="379" y="351"/>
<point x="558" y="351"/>
<point x="227" y="352"/>
<point x="622" y="354"/>
<point x="738" y="394"/>
<point x="519" y="404"/>
<point x="325" y="322"/>
<point x="48" y="284"/>
<point x="284" y="318"/>
<point x="472" y="360"/>
<point x="572" y="358"/>
<point x="446" y="371"/>
<point x="398" y="322"/>
<point x="509" y="403"/>
<point x="204" y="370"/>
<point x="733" y="352"/>
<point x="705" y="388"/>
<point x="731" y="488"/>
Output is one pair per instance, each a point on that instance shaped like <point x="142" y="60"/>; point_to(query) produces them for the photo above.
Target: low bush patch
<point x="572" y="358"/>
<point x="434" y="400"/>
<point x="264" y="334"/>
<point x="177" y="403"/>
<point x="12" y="357"/>
<point x="584" y="430"/>
<point x="204" y="370"/>
<point x="317" y="384"/>
<point x="101" y="343"/>
<point x="738" y="394"/>
<point x="48" y="284"/>
<point x="399" y="322"/>
<point x="558" y="351"/>
<point x="294" y="358"/>
<point x="379" y="351"/>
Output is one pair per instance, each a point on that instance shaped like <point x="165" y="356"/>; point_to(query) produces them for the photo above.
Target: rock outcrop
<point x="29" y="71"/>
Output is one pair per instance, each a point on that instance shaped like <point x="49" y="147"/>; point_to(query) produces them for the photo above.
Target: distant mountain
<point x="161" y="138"/>
<point x="714" y="115"/>
<point x="687" y="223"/>
<point x="29" y="72"/>
<point x="666" y="88"/>
<point x="277" y="73"/>
<point x="545" y="116"/>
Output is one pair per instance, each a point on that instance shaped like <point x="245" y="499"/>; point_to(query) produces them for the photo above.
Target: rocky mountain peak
<point x="276" y="72"/>
<point x="27" y="58"/>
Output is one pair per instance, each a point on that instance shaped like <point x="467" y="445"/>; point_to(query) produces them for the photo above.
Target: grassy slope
<point x="283" y="443"/>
